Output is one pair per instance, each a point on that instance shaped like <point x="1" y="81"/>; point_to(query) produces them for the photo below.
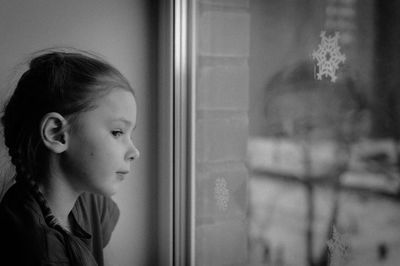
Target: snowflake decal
<point x="339" y="249"/>
<point x="328" y="56"/>
<point x="221" y="193"/>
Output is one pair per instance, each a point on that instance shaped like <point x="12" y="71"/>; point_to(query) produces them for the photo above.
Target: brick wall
<point x="223" y="43"/>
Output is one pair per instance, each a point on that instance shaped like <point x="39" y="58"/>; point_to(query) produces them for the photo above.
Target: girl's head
<point x="298" y="105"/>
<point x="59" y="97"/>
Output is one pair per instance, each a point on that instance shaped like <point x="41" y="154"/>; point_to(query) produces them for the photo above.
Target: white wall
<point x="122" y="31"/>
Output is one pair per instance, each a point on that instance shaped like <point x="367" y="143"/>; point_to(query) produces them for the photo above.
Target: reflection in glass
<point x="324" y="183"/>
<point x="318" y="182"/>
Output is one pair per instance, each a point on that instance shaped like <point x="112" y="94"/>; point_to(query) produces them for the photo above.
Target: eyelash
<point x="117" y="133"/>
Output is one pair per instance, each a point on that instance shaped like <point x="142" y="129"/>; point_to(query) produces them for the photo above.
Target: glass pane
<point x="297" y="132"/>
<point x="222" y="89"/>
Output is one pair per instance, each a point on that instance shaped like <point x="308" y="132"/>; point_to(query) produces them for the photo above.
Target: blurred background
<point x="298" y="170"/>
<point x="322" y="155"/>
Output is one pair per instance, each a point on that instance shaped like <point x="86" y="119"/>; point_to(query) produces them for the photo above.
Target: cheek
<point x="102" y="154"/>
<point x="95" y="153"/>
<point x="85" y="157"/>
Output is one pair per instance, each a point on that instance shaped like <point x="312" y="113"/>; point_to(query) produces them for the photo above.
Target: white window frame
<point x="177" y="133"/>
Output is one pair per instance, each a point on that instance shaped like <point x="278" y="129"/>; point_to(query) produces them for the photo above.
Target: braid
<point x="50" y="219"/>
<point x="24" y="176"/>
<point x="72" y="244"/>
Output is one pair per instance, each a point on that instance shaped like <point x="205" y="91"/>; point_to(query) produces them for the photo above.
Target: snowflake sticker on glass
<point x="328" y="56"/>
<point x="221" y="193"/>
<point x="339" y="249"/>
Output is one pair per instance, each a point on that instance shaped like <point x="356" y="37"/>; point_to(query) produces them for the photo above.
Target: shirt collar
<point x="77" y="228"/>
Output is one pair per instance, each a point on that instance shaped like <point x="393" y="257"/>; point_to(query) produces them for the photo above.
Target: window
<point x="287" y="132"/>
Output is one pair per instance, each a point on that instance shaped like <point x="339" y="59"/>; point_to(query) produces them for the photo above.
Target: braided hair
<point x="66" y="82"/>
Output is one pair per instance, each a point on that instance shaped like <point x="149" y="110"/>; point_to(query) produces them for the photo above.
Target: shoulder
<point x="25" y="238"/>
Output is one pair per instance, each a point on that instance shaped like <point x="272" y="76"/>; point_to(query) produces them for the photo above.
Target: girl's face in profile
<point x="100" y="147"/>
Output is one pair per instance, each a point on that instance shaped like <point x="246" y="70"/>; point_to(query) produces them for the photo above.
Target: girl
<point x="68" y="129"/>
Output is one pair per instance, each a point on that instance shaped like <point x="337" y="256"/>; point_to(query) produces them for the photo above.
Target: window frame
<point x="177" y="132"/>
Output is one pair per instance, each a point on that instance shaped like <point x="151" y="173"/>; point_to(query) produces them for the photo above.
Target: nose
<point x="133" y="153"/>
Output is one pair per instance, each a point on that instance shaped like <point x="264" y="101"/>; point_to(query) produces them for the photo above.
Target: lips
<point x="121" y="174"/>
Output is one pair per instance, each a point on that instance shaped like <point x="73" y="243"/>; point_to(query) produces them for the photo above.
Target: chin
<point x="106" y="191"/>
<point x="110" y="192"/>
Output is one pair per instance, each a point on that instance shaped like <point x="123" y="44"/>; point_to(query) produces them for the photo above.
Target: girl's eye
<point x="117" y="133"/>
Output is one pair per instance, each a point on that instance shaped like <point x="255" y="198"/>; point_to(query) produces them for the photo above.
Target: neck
<point x="60" y="197"/>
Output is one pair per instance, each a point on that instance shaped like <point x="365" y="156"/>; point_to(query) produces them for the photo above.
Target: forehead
<point x="117" y="100"/>
<point x="118" y="104"/>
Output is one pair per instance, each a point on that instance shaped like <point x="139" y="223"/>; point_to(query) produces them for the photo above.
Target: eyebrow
<point x="125" y="121"/>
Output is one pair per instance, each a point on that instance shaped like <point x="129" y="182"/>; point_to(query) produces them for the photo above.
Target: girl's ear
<point x="54" y="133"/>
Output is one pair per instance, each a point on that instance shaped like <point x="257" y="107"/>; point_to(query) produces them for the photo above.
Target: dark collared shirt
<point x="26" y="239"/>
